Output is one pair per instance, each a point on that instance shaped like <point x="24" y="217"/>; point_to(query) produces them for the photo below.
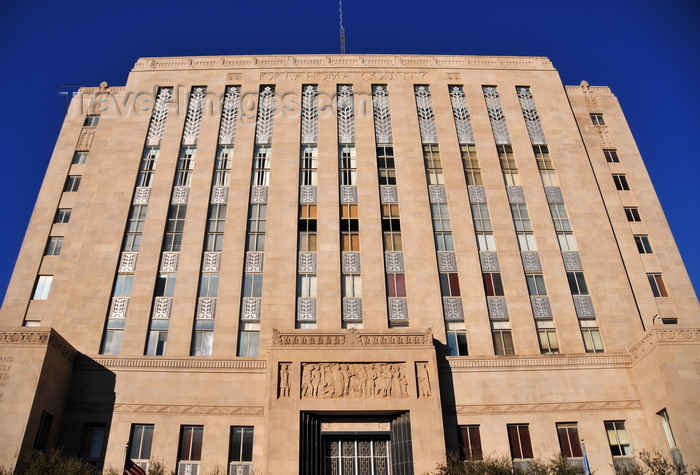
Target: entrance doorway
<point x="357" y="455"/>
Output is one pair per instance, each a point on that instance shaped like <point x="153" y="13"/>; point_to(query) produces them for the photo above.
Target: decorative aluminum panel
<point x="393" y="261"/>
<point x="266" y="116"/>
<point x="159" y="116"/>
<point x="180" y="194"/>
<point x="168" y="261"/>
<point x="515" y="194"/>
<point x="398" y="309"/>
<point x="127" y="263"/>
<point x="498" y="310"/>
<point x="532" y="119"/>
<point x="541" y="308"/>
<point x="250" y="309"/>
<point x="554" y="195"/>
<point x="496" y="116"/>
<point x="382" y="117"/>
<point x="119" y="307"/>
<point x="447" y="262"/>
<point x="258" y="194"/>
<point x="307" y="262"/>
<point x="426" y="117"/>
<point x="388" y="194"/>
<point x="346" y="115"/>
<point x="477" y="194"/>
<point x="437" y="194"/>
<point x="352" y="309"/>
<point x="572" y="260"/>
<point x="489" y="261"/>
<point x="531" y="261"/>
<point x="161" y="307"/>
<point x="308" y="194"/>
<point x="452" y="307"/>
<point x="463" y="123"/>
<point x="309" y="115"/>
<point x="584" y="306"/>
<point x="229" y="115"/>
<point x="254" y="261"/>
<point x="211" y="262"/>
<point x="348" y="194"/>
<point x="206" y="307"/>
<point x="306" y="309"/>
<point x="350" y="262"/>
<point x="193" y="121"/>
<point x="141" y="195"/>
<point x="219" y="194"/>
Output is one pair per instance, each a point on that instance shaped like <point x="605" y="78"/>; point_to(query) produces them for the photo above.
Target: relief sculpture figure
<point x="423" y="380"/>
<point x="351" y="381"/>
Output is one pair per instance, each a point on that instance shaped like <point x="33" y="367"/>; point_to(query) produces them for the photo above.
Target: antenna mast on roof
<point x="342" y="29"/>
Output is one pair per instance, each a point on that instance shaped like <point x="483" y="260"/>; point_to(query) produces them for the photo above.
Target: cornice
<point x="549" y="407"/>
<point x="659" y="336"/>
<point x="539" y="362"/>
<point x="37" y="337"/>
<point x="160" y="364"/>
<point x="351" y="337"/>
<point x="156" y="409"/>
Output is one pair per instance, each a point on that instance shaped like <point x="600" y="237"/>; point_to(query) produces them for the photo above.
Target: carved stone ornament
<point x="382" y="117"/>
<point x="284" y="380"/>
<point x="452" y="307"/>
<point x="388" y="194"/>
<point x="266" y="116"/>
<point x="352" y="337"/>
<point x="229" y="115"/>
<point x="348" y="194"/>
<point x="159" y="116"/>
<point x="354" y="381"/>
<point x="465" y="134"/>
<point x="541" y="308"/>
<point x="447" y="262"/>
<point x="352" y="309"/>
<point x="128" y="261"/>
<point x="426" y="117"/>
<point x="193" y="120"/>
<point x="141" y="195"/>
<point x="309" y="115"/>
<point x="219" y="194"/>
<point x="425" y="390"/>
<point x="250" y="309"/>
<point x="584" y="306"/>
<point x="254" y="261"/>
<point x="489" y="261"/>
<point x="398" y="310"/>
<point x="572" y="261"/>
<point x="346" y="115"/>
<point x="307" y="262"/>
<point x="477" y="194"/>
<point x="658" y="336"/>
<point x="306" y="309"/>
<point x="531" y="261"/>
<point x="515" y="194"/>
<point x="258" y="194"/>
<point x="206" y="307"/>
<point x="350" y="261"/>
<point x="553" y="194"/>
<point x="495" y="111"/>
<point x="85" y="139"/>
<point x="437" y="194"/>
<point x="532" y="119"/>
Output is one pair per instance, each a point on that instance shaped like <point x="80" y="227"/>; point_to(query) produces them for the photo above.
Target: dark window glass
<point x="569" y="441"/>
<point x="470" y="443"/>
<point x="191" y="443"/>
<point x="519" y="438"/>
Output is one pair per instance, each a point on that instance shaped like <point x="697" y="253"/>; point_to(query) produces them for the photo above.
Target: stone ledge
<point x="155" y="363"/>
<point x="545" y="361"/>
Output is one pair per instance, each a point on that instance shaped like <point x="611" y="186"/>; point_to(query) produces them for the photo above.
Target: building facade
<point x="348" y="264"/>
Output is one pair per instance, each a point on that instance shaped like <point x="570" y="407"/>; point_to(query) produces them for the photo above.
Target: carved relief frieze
<point x="549" y="407"/>
<point x="423" y="379"/>
<point x="284" y="381"/>
<point x="352" y="337"/>
<point x="354" y="381"/>
<point x="163" y="409"/>
<point x="657" y="336"/>
<point x="85" y="139"/>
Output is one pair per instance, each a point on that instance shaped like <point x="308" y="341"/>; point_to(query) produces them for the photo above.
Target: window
<point x="91" y="120"/>
<point x="471" y="164"/>
<point x="62" y="215"/>
<point x="79" y="158"/>
<point x="485" y="241"/>
<point x="521" y="219"/>
<point x="385" y="156"/>
<point x="185" y="165"/>
<point x="252" y="285"/>
<point x="214" y="238"/>
<point x="457" y="343"/>
<point x="469" y="443"/>
<point x="577" y="283"/>
<point x="526" y="241"/>
<point x="449" y="284"/>
<point x="191" y="443"/>
<point x="208" y="285"/>
<point x="348" y="165"/>
<point x="493" y="284"/>
<point x="42" y="433"/>
<point x="569" y="440"/>
<point x="157" y="341"/>
<point x="72" y="183"/>
<point x="140" y="441"/>
<point x="123" y="284"/>
<point x="147" y="166"/>
<point x="548" y="341"/>
<point x="396" y="285"/>
<point x="643" y="245"/>
<point x="535" y="284"/>
<point x="202" y="341"/>
<point x="134" y="228"/>
<point x="42" y="287"/>
<point x="597" y="119"/>
<point x="307" y="218"/>
<point x="666" y="425"/>
<point x="351" y="285"/>
<point x="257" y="225"/>
<point x="53" y="247"/>
<point x="591" y="336"/>
<point x="503" y="342"/>
<point x="241" y="448"/>
<point x="560" y="218"/>
<point x="549" y="178"/>
<point x="567" y="242"/>
<point x="306" y="285"/>
<point x="92" y="442"/>
<point x="511" y="178"/>
<point x="621" y="182"/>
<point x="165" y="285"/>
<point x="505" y="156"/>
<point x="657" y="285"/>
<point x="443" y="241"/>
<point x="172" y="241"/>
<point x="611" y="155"/>
<point x="349" y="227"/>
<point x="632" y="214"/>
<point x="519" y="438"/>
<point x="112" y="342"/>
<point x="248" y="343"/>
<point x="309" y="165"/>
<point x="480" y="215"/>
<point x="431" y="156"/>
<point x="542" y="157"/>
<point x="618" y="438"/>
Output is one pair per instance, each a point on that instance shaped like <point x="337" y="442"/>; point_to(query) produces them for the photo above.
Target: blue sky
<point x="647" y="52"/>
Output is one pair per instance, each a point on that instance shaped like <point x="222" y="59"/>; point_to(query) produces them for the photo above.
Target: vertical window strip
<point x="496" y="116"/>
<point x="532" y="119"/>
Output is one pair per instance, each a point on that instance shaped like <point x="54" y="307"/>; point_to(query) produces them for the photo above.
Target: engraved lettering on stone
<point x="515" y="194"/>
<point x="346" y="115"/>
<point x="219" y="194"/>
<point x="572" y="261"/>
<point x="398" y="309"/>
<point x="284" y="381"/>
<point x="250" y="309"/>
<point x="532" y="119"/>
<point x="211" y="262"/>
<point x="168" y="262"/>
<point x="258" y="194"/>
<point x="206" y="306"/>
<point x="382" y="117"/>
<point x="350" y="261"/>
<point x="159" y="116"/>
<point x="128" y="261"/>
<point x="348" y="194"/>
<point x="426" y="117"/>
<point x="541" y="307"/>
<point x="584" y="306"/>
<point x="423" y="379"/>
<point x="307" y="262"/>
<point x="388" y="194"/>
<point x="119" y="307"/>
<point x="463" y="123"/>
<point x="553" y="194"/>
<point x="309" y="115"/>
<point x="453" y="308"/>
<point x="308" y="194"/>
<point x="254" y="261"/>
<point x="354" y="381"/>
<point x="447" y="262"/>
<point x="496" y="116"/>
<point x="352" y="309"/>
<point x="85" y="139"/>
<point x="306" y="309"/>
<point x="437" y="194"/>
<point x="141" y="195"/>
<point x="497" y="308"/>
<point x="531" y="261"/>
<point x="193" y="121"/>
<point x="489" y="261"/>
<point x="393" y="261"/>
<point x="161" y="307"/>
<point x="266" y="116"/>
<point x="180" y="194"/>
<point x="229" y="115"/>
<point x="477" y="194"/>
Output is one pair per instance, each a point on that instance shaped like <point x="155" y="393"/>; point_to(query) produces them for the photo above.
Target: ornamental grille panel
<point x="250" y="309"/>
<point x="211" y="262"/>
<point x="119" y="307"/>
<point x="489" y="261"/>
<point x="180" y="194"/>
<point x="515" y="194"/>
<point x="584" y="306"/>
<point x="352" y="309"/>
<point x="229" y="115"/>
<point x="206" y="307"/>
<point x="307" y="262"/>
<point x="348" y="194"/>
<point x="236" y="468"/>
<point x="388" y="194"/>
<point x="350" y="262"/>
<point x="498" y="310"/>
<point x="531" y="261"/>
<point x="477" y="194"/>
<point x="541" y="308"/>
<point x="447" y="262"/>
<point x="258" y="194"/>
<point x="306" y="309"/>
<point x="219" y="194"/>
<point x="254" y="261"/>
<point x="309" y="115"/>
<point x="159" y="116"/>
<point x="496" y="116"/>
<point x="308" y="194"/>
<point x="141" y="195"/>
<point x="266" y="116"/>
<point x="161" y="307"/>
<point x="393" y="261"/>
<point x="426" y="117"/>
<point x="532" y="119"/>
<point x="398" y="309"/>
<point x="382" y="117"/>
<point x="452" y="307"/>
<point x="572" y="260"/>
<point x="346" y="115"/>
<point x="193" y="121"/>
<point x="463" y="123"/>
<point x="127" y="262"/>
<point x="554" y="195"/>
<point x="168" y="261"/>
<point x="437" y="194"/>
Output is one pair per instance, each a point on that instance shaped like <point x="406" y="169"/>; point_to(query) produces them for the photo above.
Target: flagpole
<point x="126" y="454"/>
<point x="586" y="467"/>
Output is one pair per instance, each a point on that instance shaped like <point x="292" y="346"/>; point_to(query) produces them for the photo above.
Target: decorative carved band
<point x="354" y="381"/>
<point x="352" y="337"/>
<point x="549" y="407"/>
<point x="620" y="359"/>
<point x="159" y="364"/>
<point x="209" y="410"/>
<point x="39" y="338"/>
<point x="656" y="336"/>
